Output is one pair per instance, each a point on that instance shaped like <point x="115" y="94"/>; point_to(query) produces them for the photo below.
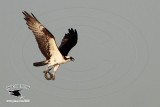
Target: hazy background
<point x="116" y="58"/>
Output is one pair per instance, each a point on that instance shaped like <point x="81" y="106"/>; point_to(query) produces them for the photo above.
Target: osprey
<point x="46" y="42"/>
<point x="15" y="92"/>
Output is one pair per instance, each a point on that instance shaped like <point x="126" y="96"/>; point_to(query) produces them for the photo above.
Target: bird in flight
<point x="46" y="42"/>
<point x="15" y="92"/>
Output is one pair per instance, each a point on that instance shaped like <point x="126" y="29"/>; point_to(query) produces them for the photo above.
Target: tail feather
<point x="42" y="63"/>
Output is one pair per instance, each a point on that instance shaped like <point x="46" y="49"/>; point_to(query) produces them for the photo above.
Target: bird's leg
<point x="54" y="70"/>
<point x="48" y="69"/>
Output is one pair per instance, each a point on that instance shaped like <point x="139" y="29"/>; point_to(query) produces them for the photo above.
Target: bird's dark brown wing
<point x="68" y="42"/>
<point x="46" y="41"/>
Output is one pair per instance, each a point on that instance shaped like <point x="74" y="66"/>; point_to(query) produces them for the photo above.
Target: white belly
<point x="56" y="58"/>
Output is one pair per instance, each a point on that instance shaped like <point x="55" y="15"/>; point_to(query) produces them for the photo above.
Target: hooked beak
<point x="72" y="59"/>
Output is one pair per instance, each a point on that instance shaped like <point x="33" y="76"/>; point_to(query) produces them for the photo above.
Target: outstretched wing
<point x="68" y="42"/>
<point x="46" y="41"/>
